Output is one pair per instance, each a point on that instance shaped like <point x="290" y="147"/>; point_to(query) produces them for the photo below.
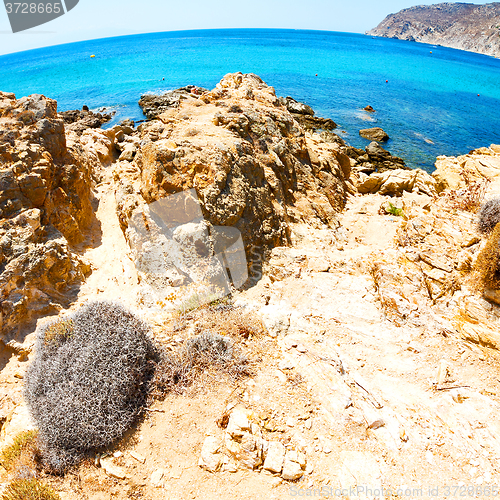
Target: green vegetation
<point x="29" y="489"/>
<point x="394" y="210"/>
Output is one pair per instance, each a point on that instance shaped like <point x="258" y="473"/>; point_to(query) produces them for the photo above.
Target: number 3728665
<point x="34" y="8"/>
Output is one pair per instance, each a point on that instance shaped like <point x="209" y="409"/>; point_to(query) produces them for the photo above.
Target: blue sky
<point x="97" y="18"/>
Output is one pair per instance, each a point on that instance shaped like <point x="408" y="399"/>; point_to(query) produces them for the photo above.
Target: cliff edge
<point x="464" y="26"/>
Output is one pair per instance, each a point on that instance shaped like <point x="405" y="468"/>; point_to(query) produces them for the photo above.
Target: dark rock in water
<point x="369" y="109"/>
<point x="78" y="121"/>
<point x="154" y="105"/>
<point x="374" y="134"/>
<point x="374" y="159"/>
<point x="304" y="115"/>
<point x="309" y="122"/>
<point x="382" y="160"/>
<point x="296" y="107"/>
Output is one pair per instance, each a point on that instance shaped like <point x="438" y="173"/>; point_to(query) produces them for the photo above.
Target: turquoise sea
<point x="429" y="104"/>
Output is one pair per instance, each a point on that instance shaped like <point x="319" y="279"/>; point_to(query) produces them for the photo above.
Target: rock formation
<point x="45" y="210"/>
<point x="374" y="360"/>
<point x="464" y="26"/>
<point x="251" y="164"/>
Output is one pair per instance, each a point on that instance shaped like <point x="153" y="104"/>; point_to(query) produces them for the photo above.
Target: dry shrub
<point x="471" y="196"/>
<point x="29" y="489"/>
<point x="487" y="266"/>
<point x="489" y="216"/>
<point x="24" y="444"/>
<point x="88" y="382"/>
<point x="202" y="356"/>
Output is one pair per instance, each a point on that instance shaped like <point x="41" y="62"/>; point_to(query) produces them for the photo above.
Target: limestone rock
<point x="253" y="167"/>
<point x="479" y="165"/>
<point x="111" y="469"/>
<point x="395" y="182"/>
<point x="275" y="457"/>
<point x="374" y="134"/>
<point x="45" y="208"/>
<point x="211" y="458"/>
<point x="238" y="424"/>
<point x="294" y="466"/>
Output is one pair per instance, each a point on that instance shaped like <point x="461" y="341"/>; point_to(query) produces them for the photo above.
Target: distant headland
<point x="464" y="26"/>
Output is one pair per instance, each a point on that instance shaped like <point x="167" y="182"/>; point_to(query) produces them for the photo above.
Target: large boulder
<point x="395" y="182"/>
<point x="45" y="209"/>
<point x="374" y="134"/>
<point x="248" y="160"/>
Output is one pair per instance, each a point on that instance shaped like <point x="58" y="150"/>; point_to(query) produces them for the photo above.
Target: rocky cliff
<point x="464" y="26"/>
<point x="375" y="361"/>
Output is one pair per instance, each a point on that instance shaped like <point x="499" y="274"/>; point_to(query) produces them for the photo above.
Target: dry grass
<point x="203" y="359"/>
<point x="29" y="489"/>
<point x="213" y="354"/>
<point x="471" y="197"/>
<point x="229" y="321"/>
<point x="24" y="445"/>
<point x="487" y="266"/>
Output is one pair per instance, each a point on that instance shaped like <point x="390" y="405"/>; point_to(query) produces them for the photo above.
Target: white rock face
<point x="274" y="457"/>
<point x="210" y="458"/>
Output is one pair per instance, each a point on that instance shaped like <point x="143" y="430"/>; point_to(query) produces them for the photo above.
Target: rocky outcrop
<point x="480" y="164"/>
<point x="251" y="164"/>
<point x="154" y="105"/>
<point x="374" y="158"/>
<point x="464" y="26"/>
<point x="395" y="182"/>
<point x="80" y="120"/>
<point x="45" y="209"/>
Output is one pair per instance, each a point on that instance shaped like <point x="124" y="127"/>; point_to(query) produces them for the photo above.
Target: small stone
<point x="443" y="372"/>
<point x="275" y="457"/>
<point x="376" y="424"/>
<point x="308" y="424"/>
<point x="238" y="423"/>
<point x="111" y="469"/>
<point x="301" y="348"/>
<point x="117" y="454"/>
<point x="276" y="481"/>
<point x="292" y="470"/>
<point x="138" y="456"/>
<point x="156" y="477"/>
<point x="210" y="458"/>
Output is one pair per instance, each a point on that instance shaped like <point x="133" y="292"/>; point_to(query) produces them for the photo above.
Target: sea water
<point x="430" y="100"/>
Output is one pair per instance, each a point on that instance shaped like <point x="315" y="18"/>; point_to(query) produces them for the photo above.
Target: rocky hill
<point x="464" y="26"/>
<point x="374" y="360"/>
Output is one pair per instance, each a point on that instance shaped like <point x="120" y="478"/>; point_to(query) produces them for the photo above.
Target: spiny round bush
<point x="489" y="216"/>
<point x="88" y="382"/>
